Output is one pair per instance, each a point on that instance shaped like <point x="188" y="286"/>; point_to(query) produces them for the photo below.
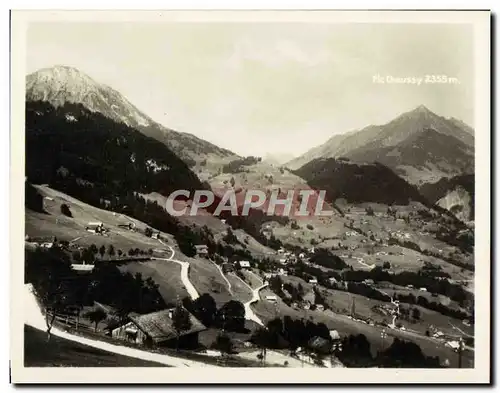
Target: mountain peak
<point x="60" y="73"/>
<point x="422" y="109"/>
<point x="63" y="84"/>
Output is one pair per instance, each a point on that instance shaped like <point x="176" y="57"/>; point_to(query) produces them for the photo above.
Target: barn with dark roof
<point x="156" y="329"/>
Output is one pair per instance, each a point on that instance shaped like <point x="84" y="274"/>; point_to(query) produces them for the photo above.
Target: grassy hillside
<point x="358" y="182"/>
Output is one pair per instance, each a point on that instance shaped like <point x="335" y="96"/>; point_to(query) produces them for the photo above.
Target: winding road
<point x="193" y="293"/>
<point x="191" y="290"/>
<point x="34" y="317"/>
<point x="229" y="288"/>
<point x="249" y="314"/>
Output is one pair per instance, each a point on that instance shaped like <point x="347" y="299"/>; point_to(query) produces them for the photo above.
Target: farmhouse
<point x="244" y="264"/>
<point x="82" y="267"/>
<point x="334" y="335"/>
<point x="201" y="249"/>
<point x="272" y="298"/>
<point x="282" y="272"/>
<point x="156" y="329"/>
<point x="227" y="267"/>
<point x="95" y="227"/>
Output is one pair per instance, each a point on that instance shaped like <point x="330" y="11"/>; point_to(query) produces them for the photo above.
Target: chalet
<point x="313" y="281"/>
<point x="244" y="264"/>
<point x="82" y="267"/>
<point x="283" y="261"/>
<point x="95" y="227"/>
<point x="334" y="335"/>
<point x="368" y="281"/>
<point x="332" y="280"/>
<point x="47" y="245"/>
<point x="105" y="202"/>
<point x="282" y="272"/>
<point x="281" y="250"/>
<point x="272" y="298"/>
<point x="201" y="249"/>
<point x="156" y="329"/>
<point x="292" y="259"/>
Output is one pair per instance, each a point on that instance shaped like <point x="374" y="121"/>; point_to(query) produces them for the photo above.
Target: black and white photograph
<point x="278" y="193"/>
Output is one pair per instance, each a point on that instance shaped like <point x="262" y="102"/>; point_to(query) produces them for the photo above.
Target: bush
<point x="310" y="227"/>
<point x="66" y="211"/>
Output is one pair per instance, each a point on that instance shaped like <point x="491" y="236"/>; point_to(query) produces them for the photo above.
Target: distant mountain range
<point x="418" y="145"/>
<point x="62" y="84"/>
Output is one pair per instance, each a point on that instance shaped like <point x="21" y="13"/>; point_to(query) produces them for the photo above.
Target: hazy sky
<point x="258" y="88"/>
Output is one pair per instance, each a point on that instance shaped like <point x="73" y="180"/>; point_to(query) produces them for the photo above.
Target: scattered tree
<point x="66" y="211"/>
<point x="223" y="344"/>
<point x="416" y="314"/>
<point x="96" y="315"/>
<point x="102" y="250"/>
<point x="180" y="321"/>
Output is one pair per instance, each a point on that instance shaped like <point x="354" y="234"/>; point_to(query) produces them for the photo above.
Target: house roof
<point x="82" y="267"/>
<point x="320" y="344"/>
<point x="159" y="326"/>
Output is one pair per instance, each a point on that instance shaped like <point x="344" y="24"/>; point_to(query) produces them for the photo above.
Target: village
<point x="156" y="328"/>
